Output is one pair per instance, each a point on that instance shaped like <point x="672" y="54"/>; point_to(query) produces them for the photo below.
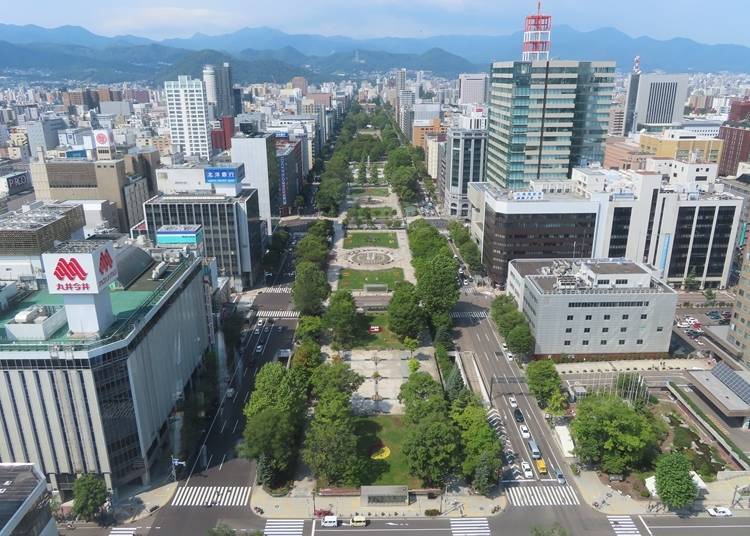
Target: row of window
<point x="570" y="318"/>
<point x="608" y="304"/>
<point x="606" y="330"/>
<point x="603" y="342"/>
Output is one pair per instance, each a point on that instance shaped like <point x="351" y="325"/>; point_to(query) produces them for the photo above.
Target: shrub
<point x="432" y="512"/>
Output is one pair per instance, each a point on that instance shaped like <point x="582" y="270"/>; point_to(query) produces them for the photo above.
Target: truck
<point x="541" y="466"/>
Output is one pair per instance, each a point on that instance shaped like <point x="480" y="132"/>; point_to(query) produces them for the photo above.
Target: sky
<point x="718" y="21"/>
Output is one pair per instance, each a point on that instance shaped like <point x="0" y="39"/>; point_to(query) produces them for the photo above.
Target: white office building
<point x="655" y="99"/>
<point x="593" y="306"/>
<point x="462" y="163"/>
<point x="473" y="88"/>
<point x="258" y="153"/>
<point x="188" y="116"/>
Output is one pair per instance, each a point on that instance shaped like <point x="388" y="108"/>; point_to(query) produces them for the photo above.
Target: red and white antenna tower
<point x="536" y="36"/>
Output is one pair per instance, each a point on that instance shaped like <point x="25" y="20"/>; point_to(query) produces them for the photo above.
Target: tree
<point x="331" y="443"/>
<point x="337" y="376"/>
<point x="612" y="435"/>
<point x="341" y="317"/>
<point x="310" y="288"/>
<point x="307" y="356"/>
<point x="270" y="434"/>
<point x="312" y="248"/>
<point x="674" y="485"/>
<point x="485" y="474"/>
<point x="543" y="380"/>
<point x="691" y="282"/>
<point x="557" y="403"/>
<point x="299" y="203"/>
<point x="436" y="285"/>
<point x="477" y="437"/>
<point x="509" y="320"/>
<point x="278" y="387"/>
<point x="519" y="340"/>
<point x="431" y="449"/>
<point x="419" y="386"/>
<point x="309" y="328"/>
<point x="411" y="345"/>
<point x="405" y="317"/>
<point x="89" y="495"/>
<point x="710" y="296"/>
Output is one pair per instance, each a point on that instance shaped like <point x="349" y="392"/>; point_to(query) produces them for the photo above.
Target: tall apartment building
<point x="654" y="99"/>
<point x="90" y="375"/>
<point x="232" y="228"/>
<point x="224" y="104"/>
<point x="681" y="227"/>
<point x="400" y="79"/>
<point x="681" y="145"/>
<point x="739" y="325"/>
<point x="79" y="180"/>
<point x="188" y="116"/>
<point x="473" y="88"/>
<point x="299" y="82"/>
<point x="545" y="118"/>
<point x="43" y="134"/>
<point x="593" y="306"/>
<point x="736" y="147"/>
<point x="462" y="163"/>
<point x="739" y="110"/>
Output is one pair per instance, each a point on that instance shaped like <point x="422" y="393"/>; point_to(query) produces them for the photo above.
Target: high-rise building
<point x="401" y="79"/>
<point x="473" y="88"/>
<point x="258" y="153"/>
<point x="655" y="99"/>
<point x="739" y="110"/>
<point x="463" y="162"/>
<point x="736" y="146"/>
<point x="224" y="95"/>
<point x="43" y="134"/>
<point x="209" y="83"/>
<point x="739" y="325"/>
<point x="299" y="82"/>
<point x="545" y="118"/>
<point x="188" y="116"/>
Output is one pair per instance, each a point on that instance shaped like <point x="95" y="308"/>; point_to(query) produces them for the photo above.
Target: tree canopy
<point x="674" y="484"/>
<point x="543" y="380"/>
<point x="89" y="495"/>
<point x="405" y="316"/>
<point x="310" y="288"/>
<point x="341" y="318"/>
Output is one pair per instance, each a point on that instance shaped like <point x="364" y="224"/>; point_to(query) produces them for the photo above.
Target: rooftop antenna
<point x="637" y="65"/>
<point x="537" y="36"/>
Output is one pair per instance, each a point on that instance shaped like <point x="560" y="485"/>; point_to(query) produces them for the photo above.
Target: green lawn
<point x="368" y="192"/>
<point x="384" y="340"/>
<point x="356" y="279"/>
<point x="366" y="239"/>
<point x="388" y="431"/>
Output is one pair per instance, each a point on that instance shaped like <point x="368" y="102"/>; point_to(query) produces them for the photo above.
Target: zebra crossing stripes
<point x="277" y="314"/>
<point x="468" y="314"/>
<point x="284" y="527"/>
<point x="623" y="526"/>
<point x="470" y="526"/>
<point x="542" y="496"/>
<point x="276" y="290"/>
<point x="214" y="495"/>
<point x="123" y="531"/>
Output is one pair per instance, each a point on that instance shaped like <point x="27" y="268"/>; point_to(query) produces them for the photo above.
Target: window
<point x="606" y="317"/>
<point x="585" y="343"/>
<point x="625" y="317"/>
<point x="660" y="329"/>
<point x="644" y="317"/>
<point x="568" y="330"/>
<point x="586" y="330"/>
<point x="603" y="342"/>
<point x="639" y="341"/>
<point x="588" y="317"/>
<point x="623" y="330"/>
<point x="605" y="330"/>
<point x="621" y="281"/>
<point x="567" y="343"/>
<point x="570" y="317"/>
<point x="621" y="342"/>
<point x="602" y="282"/>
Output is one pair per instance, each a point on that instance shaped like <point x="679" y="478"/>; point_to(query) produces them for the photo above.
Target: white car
<point x="230" y="393"/>
<point x="509" y="356"/>
<point x="719" y="511"/>
<point x="259" y="349"/>
<point x="526" y="468"/>
<point x="505" y="347"/>
<point x="524" y="431"/>
<point x="512" y="401"/>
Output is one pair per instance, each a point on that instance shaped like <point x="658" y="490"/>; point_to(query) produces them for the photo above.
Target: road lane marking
<point x="235" y="425"/>
<point x="623" y="526"/>
<point x="216" y="495"/>
<point x="645" y="526"/>
<point x="222" y="427"/>
<point x="222" y="461"/>
<point x="470" y="526"/>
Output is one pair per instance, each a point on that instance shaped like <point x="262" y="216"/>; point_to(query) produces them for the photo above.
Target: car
<point x="230" y="393"/>
<point x="279" y="328"/>
<point x="512" y="401"/>
<point x="518" y="415"/>
<point x="719" y="511"/>
<point x="266" y="329"/>
<point x="505" y="347"/>
<point x="524" y="431"/>
<point x="510" y="356"/>
<point x="257" y="331"/>
<point x="559" y="476"/>
<point x="259" y="349"/>
<point x="261" y="321"/>
<point x="526" y="468"/>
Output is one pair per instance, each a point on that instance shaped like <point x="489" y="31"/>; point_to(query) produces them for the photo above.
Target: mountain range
<point x="260" y="54"/>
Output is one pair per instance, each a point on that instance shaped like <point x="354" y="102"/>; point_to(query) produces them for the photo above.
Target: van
<point x="358" y="521"/>
<point x="330" y="521"/>
<point x="534" y="450"/>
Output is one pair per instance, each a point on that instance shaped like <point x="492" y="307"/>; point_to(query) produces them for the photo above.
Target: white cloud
<point x="170" y="21"/>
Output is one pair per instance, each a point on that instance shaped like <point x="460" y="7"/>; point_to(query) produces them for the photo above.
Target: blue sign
<point x="177" y="237"/>
<point x="78" y="153"/>
<point x="224" y="175"/>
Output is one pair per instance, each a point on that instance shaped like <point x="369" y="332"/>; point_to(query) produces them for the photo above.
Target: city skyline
<point x="422" y="18"/>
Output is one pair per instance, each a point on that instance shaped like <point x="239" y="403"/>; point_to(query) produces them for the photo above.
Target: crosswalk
<point x="623" y="526"/>
<point x="213" y="495"/>
<point x="555" y="495"/>
<point x="468" y="314"/>
<point x="277" y="290"/>
<point x="284" y="527"/>
<point x="470" y="526"/>
<point x="123" y="531"/>
<point x="277" y="314"/>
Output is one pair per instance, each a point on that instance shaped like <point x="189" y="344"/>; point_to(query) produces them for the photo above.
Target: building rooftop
<point x="724" y="396"/>
<point x="34" y="218"/>
<point x="19" y="482"/>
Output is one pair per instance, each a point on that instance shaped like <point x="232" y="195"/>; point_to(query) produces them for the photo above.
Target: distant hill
<point x="263" y="53"/>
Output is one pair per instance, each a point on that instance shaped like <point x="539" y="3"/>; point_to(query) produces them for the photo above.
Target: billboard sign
<point x="103" y="138"/>
<point x="16" y="182"/>
<point x="283" y="181"/>
<point x="165" y="238"/>
<point x="76" y="153"/>
<point x="80" y="272"/>
<point x="224" y="175"/>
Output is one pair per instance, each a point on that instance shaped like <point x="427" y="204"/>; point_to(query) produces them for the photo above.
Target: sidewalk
<point x="453" y="505"/>
<point x="138" y="502"/>
<point x="635" y="365"/>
